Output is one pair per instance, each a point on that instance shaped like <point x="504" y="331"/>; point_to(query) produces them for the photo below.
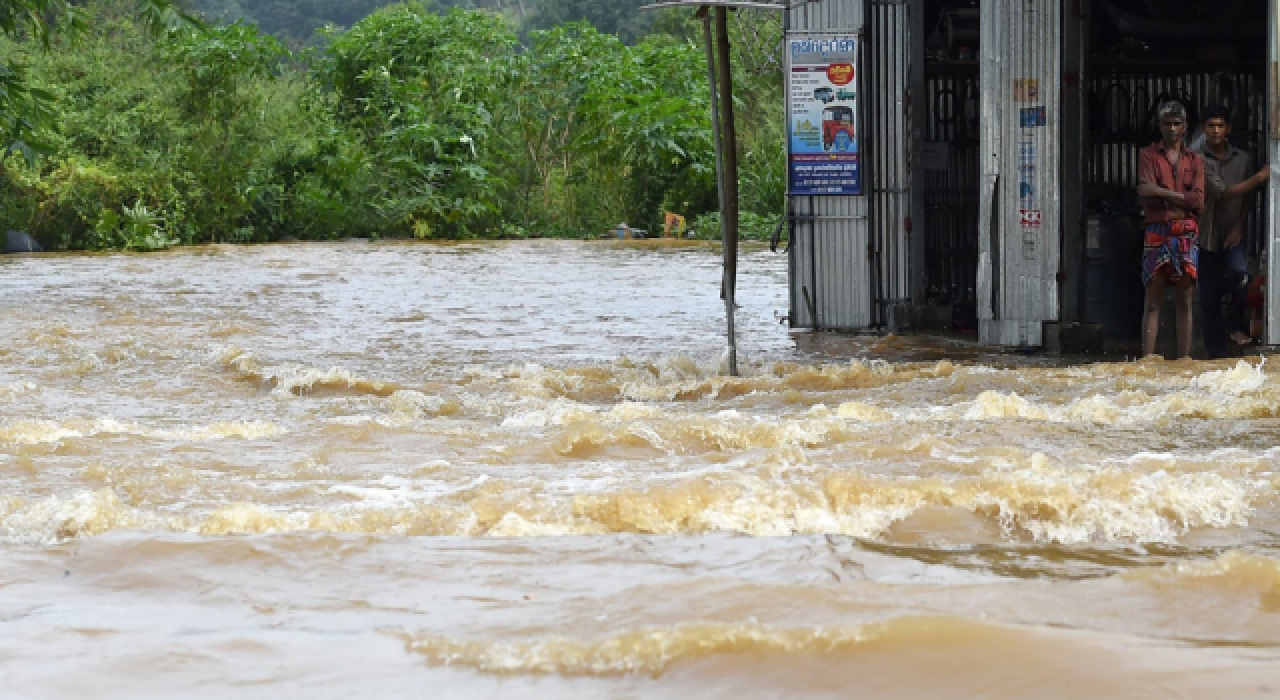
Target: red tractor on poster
<point x="837" y="128"/>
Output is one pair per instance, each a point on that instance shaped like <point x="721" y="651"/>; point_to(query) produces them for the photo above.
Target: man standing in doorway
<point x="1171" y="189"/>
<point x="1224" y="264"/>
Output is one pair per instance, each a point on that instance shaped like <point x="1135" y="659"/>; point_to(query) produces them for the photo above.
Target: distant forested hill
<point x="296" y="21"/>
<point x="620" y="17"/>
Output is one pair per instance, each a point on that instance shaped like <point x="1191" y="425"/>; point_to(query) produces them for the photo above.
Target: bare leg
<point x="1151" y="315"/>
<point x="1184" y="296"/>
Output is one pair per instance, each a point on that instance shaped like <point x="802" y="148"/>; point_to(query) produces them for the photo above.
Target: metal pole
<point x="869" y="114"/>
<point x="729" y="180"/>
<point x="726" y="292"/>
<point x="715" y="109"/>
<point x="1273" y="199"/>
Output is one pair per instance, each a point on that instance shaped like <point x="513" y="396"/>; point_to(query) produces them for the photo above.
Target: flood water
<point x="517" y="470"/>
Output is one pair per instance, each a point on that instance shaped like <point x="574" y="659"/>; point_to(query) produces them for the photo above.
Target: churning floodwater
<point x="400" y="470"/>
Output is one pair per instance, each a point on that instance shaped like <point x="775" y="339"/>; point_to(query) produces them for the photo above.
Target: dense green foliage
<point x="411" y="123"/>
<point x="299" y="21"/>
<point x="27" y="110"/>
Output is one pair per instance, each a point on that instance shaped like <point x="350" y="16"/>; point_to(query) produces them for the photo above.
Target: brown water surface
<point x="406" y="470"/>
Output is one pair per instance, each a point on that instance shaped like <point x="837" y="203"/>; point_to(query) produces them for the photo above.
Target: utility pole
<point x="724" y="134"/>
<point x="729" y="213"/>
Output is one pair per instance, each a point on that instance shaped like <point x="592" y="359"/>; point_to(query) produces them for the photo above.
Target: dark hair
<point x="1216" y="112"/>
<point x="1172" y="108"/>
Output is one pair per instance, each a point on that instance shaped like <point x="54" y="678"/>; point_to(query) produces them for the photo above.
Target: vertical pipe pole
<point x="1272" y="132"/>
<point x="720" y="181"/>
<point x="729" y="180"/>
<point x="715" y="114"/>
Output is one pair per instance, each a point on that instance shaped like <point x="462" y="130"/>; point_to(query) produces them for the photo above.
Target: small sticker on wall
<point x="1027" y="153"/>
<point x="1032" y="117"/>
<point x="1030" y="217"/>
<point x="1026" y="90"/>
<point x="1027" y="193"/>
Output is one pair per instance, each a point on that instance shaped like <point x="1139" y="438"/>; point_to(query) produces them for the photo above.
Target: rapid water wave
<point x="646" y="651"/>
<point x="1039" y="502"/>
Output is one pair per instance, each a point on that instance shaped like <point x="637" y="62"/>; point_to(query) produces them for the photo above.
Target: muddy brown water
<point x="398" y="470"/>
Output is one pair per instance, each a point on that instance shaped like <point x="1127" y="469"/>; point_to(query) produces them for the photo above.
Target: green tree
<point x="546" y="148"/>
<point x="27" y="111"/>
<point x="650" y="118"/>
<point x="420" y="89"/>
<point x="221" y="72"/>
<point x="413" y="122"/>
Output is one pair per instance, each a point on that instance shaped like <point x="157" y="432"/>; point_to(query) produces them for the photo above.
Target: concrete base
<point x="927" y="318"/>
<point x="1074" y="338"/>
<point x="1091" y="338"/>
<point x="1015" y="334"/>
<point x="899" y="317"/>
<point x="935" y="318"/>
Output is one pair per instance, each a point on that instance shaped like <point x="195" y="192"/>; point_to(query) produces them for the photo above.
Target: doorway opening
<point x="1138" y="54"/>
<point x="949" y="158"/>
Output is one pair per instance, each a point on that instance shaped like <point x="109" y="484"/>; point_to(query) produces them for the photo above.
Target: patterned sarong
<point x="1172" y="245"/>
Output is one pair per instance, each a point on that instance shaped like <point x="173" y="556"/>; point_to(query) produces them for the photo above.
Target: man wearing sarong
<point x="1224" y="266"/>
<point x="1171" y="189"/>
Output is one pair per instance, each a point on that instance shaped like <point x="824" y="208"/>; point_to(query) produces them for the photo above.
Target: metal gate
<point x="950" y="177"/>
<point x="1122" y="121"/>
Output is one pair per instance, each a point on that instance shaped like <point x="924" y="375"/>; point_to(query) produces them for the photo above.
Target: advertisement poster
<point x="822" y="116"/>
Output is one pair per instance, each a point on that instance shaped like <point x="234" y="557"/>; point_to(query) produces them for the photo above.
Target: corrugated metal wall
<point x="844" y="269"/>
<point x="830" y="270"/>
<point x="889" y="151"/>
<point x="1019" y="208"/>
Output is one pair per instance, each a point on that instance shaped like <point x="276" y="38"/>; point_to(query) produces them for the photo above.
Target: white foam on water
<point x="292" y="379"/>
<point x="1241" y="379"/>
<point x="13" y="390"/>
<point x="863" y="413"/>
<point x="1082" y="505"/>
<point x="84" y="514"/>
<point x="1220" y="397"/>
<point x="1040" y="499"/>
<point x="415" y="405"/>
<point x="43" y="432"/>
<point x="223" y="430"/>
<point x="555" y="412"/>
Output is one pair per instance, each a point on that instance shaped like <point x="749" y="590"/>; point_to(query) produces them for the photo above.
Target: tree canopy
<point x="412" y="122"/>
